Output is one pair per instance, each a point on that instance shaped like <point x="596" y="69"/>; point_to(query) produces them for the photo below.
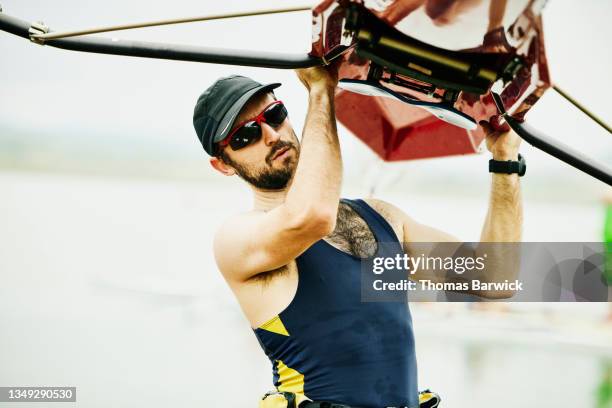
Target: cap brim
<point x="230" y="116"/>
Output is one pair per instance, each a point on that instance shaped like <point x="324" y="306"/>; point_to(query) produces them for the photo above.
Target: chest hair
<point x="352" y="234"/>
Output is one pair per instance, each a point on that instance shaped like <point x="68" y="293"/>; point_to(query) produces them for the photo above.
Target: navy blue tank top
<point x="329" y="345"/>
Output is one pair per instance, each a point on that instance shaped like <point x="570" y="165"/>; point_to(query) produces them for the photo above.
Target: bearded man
<point x="293" y="261"/>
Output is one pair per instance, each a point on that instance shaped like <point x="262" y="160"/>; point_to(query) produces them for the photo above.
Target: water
<point x="109" y="285"/>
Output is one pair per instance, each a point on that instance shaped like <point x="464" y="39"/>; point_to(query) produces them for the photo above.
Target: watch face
<point x="522" y="165"/>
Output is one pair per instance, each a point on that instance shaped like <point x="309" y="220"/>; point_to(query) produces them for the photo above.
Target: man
<point x="293" y="261"/>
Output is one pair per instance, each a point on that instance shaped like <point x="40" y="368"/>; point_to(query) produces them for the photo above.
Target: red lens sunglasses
<point x="249" y="131"/>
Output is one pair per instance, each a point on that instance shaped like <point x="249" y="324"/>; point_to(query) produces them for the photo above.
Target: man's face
<point x="268" y="163"/>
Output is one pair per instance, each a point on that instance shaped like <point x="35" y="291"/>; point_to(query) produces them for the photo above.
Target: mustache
<point x="278" y="146"/>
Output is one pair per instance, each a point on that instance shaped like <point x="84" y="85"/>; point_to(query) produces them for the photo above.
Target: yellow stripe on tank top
<point x="275" y="325"/>
<point x="290" y="380"/>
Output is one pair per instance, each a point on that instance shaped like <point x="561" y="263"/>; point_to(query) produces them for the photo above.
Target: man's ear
<point x="221" y="167"/>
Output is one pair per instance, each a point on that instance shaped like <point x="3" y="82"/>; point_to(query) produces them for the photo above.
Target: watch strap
<point x="509" y="166"/>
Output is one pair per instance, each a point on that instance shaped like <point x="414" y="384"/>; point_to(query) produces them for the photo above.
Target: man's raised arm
<point x="502" y="226"/>
<point x="504" y="221"/>
<point x="315" y="189"/>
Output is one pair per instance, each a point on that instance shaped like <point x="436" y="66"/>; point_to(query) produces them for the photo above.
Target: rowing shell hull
<point x="397" y="131"/>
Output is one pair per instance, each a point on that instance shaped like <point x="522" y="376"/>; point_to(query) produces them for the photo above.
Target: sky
<point x="111" y="109"/>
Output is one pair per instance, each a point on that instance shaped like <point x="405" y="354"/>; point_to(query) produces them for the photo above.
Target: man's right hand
<point x="324" y="77"/>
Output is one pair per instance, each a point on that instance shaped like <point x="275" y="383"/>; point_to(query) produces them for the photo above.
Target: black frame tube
<point x="553" y="147"/>
<point x="174" y="52"/>
<point x="561" y="151"/>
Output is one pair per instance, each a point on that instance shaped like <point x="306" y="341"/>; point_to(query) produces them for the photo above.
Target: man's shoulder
<point x="393" y="215"/>
<point x="233" y="236"/>
<point x="384" y="208"/>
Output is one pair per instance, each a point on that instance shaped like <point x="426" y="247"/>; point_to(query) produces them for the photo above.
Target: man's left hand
<point x="503" y="145"/>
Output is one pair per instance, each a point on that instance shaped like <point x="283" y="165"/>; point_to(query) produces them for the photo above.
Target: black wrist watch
<point x="509" y="167"/>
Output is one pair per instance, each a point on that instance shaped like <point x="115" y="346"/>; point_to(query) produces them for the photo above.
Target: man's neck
<point x="265" y="200"/>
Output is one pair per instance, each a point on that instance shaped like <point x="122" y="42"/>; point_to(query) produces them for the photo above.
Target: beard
<point x="267" y="178"/>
